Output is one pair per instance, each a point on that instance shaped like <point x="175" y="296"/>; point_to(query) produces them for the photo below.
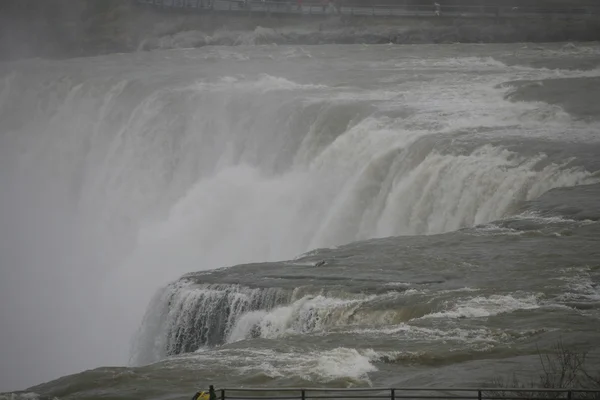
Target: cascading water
<point x="120" y="176"/>
<point x="185" y="317"/>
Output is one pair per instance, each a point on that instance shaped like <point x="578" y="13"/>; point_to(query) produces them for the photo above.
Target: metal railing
<point x="316" y="8"/>
<point x="405" y="393"/>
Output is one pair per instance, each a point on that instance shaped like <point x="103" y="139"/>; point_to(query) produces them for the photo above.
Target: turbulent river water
<point x="438" y="205"/>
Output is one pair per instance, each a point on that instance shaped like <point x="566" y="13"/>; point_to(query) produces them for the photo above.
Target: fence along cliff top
<point x="345" y="8"/>
<point x="406" y="393"/>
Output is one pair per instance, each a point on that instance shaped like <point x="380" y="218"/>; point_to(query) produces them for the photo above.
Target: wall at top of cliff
<point x="67" y="28"/>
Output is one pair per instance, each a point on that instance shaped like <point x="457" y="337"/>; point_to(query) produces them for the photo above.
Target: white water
<point x="114" y="185"/>
<point x="347" y="364"/>
<point x="183" y="310"/>
<point x="308" y="314"/>
<point x="478" y="307"/>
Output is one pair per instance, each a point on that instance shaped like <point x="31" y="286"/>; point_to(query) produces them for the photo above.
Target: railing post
<point x="303" y="394"/>
<point x="479" y="395"/>
<point x="393" y="394"/>
<point x="569" y="395"/>
<point x="222" y="394"/>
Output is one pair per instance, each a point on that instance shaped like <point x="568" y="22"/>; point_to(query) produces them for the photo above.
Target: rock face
<point x="64" y="28"/>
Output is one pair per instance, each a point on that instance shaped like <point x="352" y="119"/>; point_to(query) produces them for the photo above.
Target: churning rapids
<point x="439" y="206"/>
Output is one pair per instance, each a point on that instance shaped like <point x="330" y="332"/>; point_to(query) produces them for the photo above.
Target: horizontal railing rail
<point x="406" y="393"/>
<point x="318" y="7"/>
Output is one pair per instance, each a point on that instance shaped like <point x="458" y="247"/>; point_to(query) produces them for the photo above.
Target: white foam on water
<point x="481" y="306"/>
<point x="458" y="63"/>
<point x="534" y="73"/>
<point x="462" y="289"/>
<point x="398" y="284"/>
<point x="408" y="334"/>
<point x="549" y="220"/>
<point x="313" y="366"/>
<point x="306" y="315"/>
<point x="495" y="230"/>
<point x="343" y="362"/>
<point x="263" y="84"/>
<point x="266" y="368"/>
<point x="580" y="285"/>
<point x="20" y="396"/>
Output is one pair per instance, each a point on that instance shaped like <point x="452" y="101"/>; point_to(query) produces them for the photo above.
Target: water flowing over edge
<point x="324" y="168"/>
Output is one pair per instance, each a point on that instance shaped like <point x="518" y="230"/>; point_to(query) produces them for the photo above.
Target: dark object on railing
<point x="404" y="393"/>
<point x="211" y="395"/>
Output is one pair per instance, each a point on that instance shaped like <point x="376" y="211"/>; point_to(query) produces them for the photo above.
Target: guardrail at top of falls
<point x="406" y="393"/>
<point x="325" y="7"/>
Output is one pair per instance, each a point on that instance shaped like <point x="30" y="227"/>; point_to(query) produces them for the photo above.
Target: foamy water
<point x="122" y="173"/>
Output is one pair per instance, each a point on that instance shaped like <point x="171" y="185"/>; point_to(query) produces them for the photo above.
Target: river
<point x="437" y="206"/>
